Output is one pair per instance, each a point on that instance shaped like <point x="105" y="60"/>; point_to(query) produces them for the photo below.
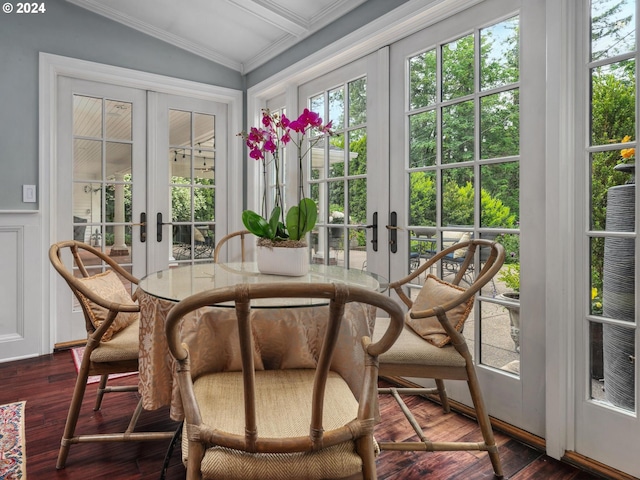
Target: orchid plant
<point x="265" y="144"/>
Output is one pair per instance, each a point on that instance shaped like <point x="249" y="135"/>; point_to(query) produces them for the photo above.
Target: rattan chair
<point x="243" y="234"/>
<point x="291" y="421"/>
<point x="112" y="335"/>
<point x="438" y="315"/>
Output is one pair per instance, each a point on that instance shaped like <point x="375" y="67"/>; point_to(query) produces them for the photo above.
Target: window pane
<point x="179" y="128"/>
<point x="181" y="204"/>
<point x="358" y="101"/>
<point x="457" y="197"/>
<point x="612" y="28"/>
<point x="422" y="198"/>
<point x="613" y="102"/>
<point x="606" y="179"/>
<point x="203" y="131"/>
<point x="118" y="120"/>
<point x="119" y="160"/>
<point x="336" y="202"/>
<point x="422" y="80"/>
<point x="357" y="248"/>
<point x="458" y="133"/>
<point x="87" y="116"/>
<point x="618" y="345"/>
<point x="500" y="54"/>
<point x="499" y="335"/>
<point x="336" y="108"/>
<point x="500" y="195"/>
<point x="358" y="152"/>
<point x="358" y="201"/>
<point x="336" y="156"/>
<point x="500" y="125"/>
<point x="316" y="104"/>
<point x="87" y="159"/>
<point x="204" y="204"/>
<point x="457" y="68"/>
<point x="204" y="168"/>
<point x="422" y="139"/>
<point x="118" y="202"/>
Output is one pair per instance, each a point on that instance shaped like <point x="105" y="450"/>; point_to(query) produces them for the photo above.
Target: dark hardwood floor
<point x="46" y="383"/>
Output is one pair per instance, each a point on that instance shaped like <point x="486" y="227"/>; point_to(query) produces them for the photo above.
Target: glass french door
<point x="136" y="177"/>
<point x="606" y="397"/>
<point x="191" y="138"/>
<point x="458" y="153"/>
<point x="343" y="171"/>
<point x="101" y="182"/>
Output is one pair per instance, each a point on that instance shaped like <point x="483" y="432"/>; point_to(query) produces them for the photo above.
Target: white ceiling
<point x="240" y="34"/>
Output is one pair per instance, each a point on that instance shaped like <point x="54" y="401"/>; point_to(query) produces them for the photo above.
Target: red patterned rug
<point x="12" y="452"/>
<point x="77" y="353"/>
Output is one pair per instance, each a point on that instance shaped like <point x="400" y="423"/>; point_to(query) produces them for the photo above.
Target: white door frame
<point x="51" y="67"/>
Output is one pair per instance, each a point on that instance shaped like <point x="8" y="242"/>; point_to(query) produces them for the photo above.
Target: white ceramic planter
<point x="292" y="262"/>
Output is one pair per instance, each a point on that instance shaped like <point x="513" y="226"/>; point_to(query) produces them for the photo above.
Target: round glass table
<point x="177" y="283"/>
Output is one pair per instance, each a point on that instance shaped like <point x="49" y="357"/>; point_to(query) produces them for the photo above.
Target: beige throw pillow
<point x="108" y="286"/>
<point x="438" y="292"/>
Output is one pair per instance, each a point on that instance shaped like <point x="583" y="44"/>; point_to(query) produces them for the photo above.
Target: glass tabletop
<point x="177" y="283"/>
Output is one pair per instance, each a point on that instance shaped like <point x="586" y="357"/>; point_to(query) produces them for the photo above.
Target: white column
<point x="119" y="245"/>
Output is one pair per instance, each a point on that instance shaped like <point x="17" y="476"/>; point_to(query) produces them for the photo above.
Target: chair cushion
<point x="124" y="345"/>
<point x="462" y="252"/>
<point x="108" y="286"/>
<point x="450" y="238"/>
<point x="436" y="292"/>
<point x="283" y="409"/>
<point x="412" y="349"/>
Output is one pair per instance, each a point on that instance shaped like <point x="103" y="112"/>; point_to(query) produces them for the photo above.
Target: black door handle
<point x="159" y="224"/>
<point x="143" y="227"/>
<point x="374" y="232"/>
<point x="393" y="232"/>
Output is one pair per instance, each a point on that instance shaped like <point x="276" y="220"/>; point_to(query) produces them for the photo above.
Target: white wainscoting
<point x="21" y="286"/>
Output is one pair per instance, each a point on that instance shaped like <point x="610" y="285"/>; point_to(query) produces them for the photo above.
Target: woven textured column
<point x="618" y="298"/>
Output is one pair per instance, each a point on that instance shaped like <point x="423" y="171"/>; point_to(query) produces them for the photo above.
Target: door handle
<point x="374" y="231"/>
<point x="393" y="231"/>
<point x="159" y="224"/>
<point x="143" y="226"/>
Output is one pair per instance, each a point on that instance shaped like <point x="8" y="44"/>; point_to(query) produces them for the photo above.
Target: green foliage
<point x="511" y="244"/>
<point x="422" y="203"/>
<point x="257" y="224"/>
<point x="301" y="218"/>
<point x="494" y="212"/>
<point x="511" y="276"/>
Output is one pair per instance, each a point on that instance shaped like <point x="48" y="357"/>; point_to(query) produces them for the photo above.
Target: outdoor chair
<point x="184" y="249"/>
<point x="432" y="345"/>
<point x="111" y="320"/>
<point x="289" y="414"/>
<point x="243" y="236"/>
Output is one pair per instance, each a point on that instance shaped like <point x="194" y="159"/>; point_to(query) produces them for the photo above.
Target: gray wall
<point x="73" y="32"/>
<point x="356" y="18"/>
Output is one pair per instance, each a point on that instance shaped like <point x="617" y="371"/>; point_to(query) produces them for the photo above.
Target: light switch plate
<point x="28" y="193"/>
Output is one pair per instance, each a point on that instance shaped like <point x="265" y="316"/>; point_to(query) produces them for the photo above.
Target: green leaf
<point x="274" y="219"/>
<point x="257" y="224"/>
<point x="301" y="218"/>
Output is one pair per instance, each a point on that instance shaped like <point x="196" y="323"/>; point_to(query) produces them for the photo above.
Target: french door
<point x="440" y="150"/>
<point x="344" y="172"/>
<point x="606" y="303"/>
<point x="459" y="149"/>
<point x="136" y="175"/>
